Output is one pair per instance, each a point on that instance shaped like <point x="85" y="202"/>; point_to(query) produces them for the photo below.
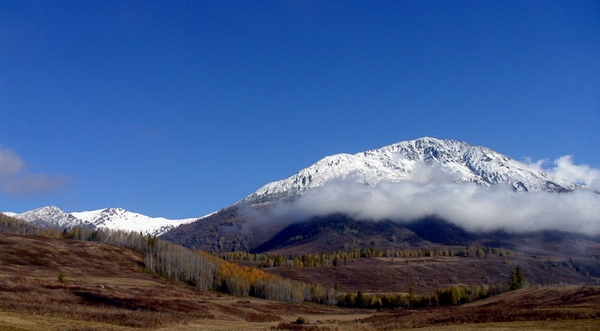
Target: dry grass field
<point x="107" y="288"/>
<point x="531" y="308"/>
<point x="426" y="274"/>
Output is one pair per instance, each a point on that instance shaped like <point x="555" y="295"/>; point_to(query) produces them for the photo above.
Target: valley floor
<point x="326" y="322"/>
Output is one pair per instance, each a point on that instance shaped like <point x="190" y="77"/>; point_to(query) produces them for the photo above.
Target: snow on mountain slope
<point x="52" y="217"/>
<point x="421" y="160"/>
<point x="110" y="218"/>
<point x="424" y="160"/>
<point x="121" y="219"/>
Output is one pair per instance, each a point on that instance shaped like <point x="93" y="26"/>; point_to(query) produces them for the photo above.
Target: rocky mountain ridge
<point x="418" y="160"/>
<point x="110" y="218"/>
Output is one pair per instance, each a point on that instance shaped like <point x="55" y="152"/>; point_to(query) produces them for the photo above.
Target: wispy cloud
<point x="16" y="181"/>
<point x="10" y="163"/>
<point x="565" y="169"/>
<point x="472" y="207"/>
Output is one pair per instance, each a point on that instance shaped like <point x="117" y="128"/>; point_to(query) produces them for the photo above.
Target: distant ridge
<point x="110" y="218"/>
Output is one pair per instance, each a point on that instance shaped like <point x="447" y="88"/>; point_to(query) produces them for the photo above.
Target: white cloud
<point x="15" y="180"/>
<point x="565" y="169"/>
<point x="470" y="206"/>
<point x="580" y="174"/>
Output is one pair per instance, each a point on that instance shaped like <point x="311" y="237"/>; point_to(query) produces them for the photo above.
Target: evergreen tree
<point x="360" y="299"/>
<point x="516" y="280"/>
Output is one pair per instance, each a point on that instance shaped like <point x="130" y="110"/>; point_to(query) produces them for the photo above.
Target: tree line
<point x="205" y="271"/>
<point x="14" y="225"/>
<point x="328" y="259"/>
<point x="443" y="296"/>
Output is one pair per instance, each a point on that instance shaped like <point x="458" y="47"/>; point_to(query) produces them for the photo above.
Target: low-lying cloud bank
<point x="470" y="206"/>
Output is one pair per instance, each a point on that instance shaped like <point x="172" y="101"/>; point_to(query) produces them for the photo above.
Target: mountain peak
<point x="50" y="216"/>
<point x="110" y="218"/>
<point x="411" y="161"/>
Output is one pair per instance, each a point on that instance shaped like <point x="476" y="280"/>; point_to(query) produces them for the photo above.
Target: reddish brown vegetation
<point x="425" y="275"/>
<point x="109" y="285"/>
<point x="540" y="304"/>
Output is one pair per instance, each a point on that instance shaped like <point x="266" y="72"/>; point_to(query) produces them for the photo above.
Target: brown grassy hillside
<point x="426" y="274"/>
<point x="106" y="287"/>
<point x="578" y="305"/>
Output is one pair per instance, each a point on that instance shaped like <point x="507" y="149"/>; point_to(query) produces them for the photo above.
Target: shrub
<point x="61" y="277"/>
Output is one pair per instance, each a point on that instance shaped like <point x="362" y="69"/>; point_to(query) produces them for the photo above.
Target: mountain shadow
<point x="339" y="232"/>
<point x="543" y="242"/>
<point x="224" y="231"/>
<point x="231" y="230"/>
<point x="440" y="231"/>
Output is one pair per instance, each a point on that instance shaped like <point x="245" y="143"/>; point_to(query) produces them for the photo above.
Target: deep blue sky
<point x="178" y="109"/>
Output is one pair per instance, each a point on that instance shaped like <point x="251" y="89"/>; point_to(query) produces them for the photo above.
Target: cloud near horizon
<point x="470" y="206"/>
<point x="565" y="169"/>
<point x="16" y="181"/>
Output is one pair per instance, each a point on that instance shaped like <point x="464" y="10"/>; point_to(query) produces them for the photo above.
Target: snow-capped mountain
<point x="449" y="187"/>
<point x="109" y="218"/>
<point x="52" y="217"/>
<point x="421" y="160"/>
<point x="424" y="160"/>
<point x="121" y="219"/>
